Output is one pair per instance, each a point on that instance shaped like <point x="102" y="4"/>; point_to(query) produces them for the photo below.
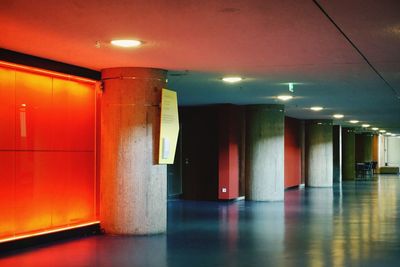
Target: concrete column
<point x="303" y="151"/>
<point x="319" y="153"/>
<point x="132" y="186"/>
<point x="265" y="152"/>
<point x="364" y="145"/>
<point x="337" y="153"/>
<point x="348" y="152"/>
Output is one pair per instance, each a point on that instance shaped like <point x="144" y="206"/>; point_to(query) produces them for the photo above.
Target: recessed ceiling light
<point x="316" y="108"/>
<point x="126" y="43"/>
<point x="284" y="97"/>
<point x="232" y="79"/>
<point x="354" y="121"/>
<point x="338" y="116"/>
<point x="382" y="131"/>
<point x="365" y="125"/>
<point x="375" y="129"/>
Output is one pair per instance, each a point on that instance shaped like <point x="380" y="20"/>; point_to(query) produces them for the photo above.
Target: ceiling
<point x="269" y="43"/>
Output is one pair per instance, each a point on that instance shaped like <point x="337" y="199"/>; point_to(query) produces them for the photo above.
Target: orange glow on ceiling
<point x="47" y="72"/>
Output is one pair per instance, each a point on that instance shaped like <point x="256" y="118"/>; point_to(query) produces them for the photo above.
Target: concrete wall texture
<point x="265" y="152"/>
<point x="348" y="150"/>
<point x="319" y="153"/>
<point x="132" y="186"/>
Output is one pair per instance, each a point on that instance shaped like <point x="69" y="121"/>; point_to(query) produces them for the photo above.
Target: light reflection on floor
<point x="357" y="224"/>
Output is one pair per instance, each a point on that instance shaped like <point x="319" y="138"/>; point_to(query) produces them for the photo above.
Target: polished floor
<point x="357" y="224"/>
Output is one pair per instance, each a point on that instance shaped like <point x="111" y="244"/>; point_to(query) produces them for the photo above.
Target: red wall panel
<point x="81" y="197"/>
<point x="73" y="188"/>
<point x="33" y="191"/>
<point x="292" y="152"/>
<point x="74" y="105"/>
<point x="228" y="155"/>
<point x="47" y="153"/>
<point x="7" y="196"/>
<point x="60" y="169"/>
<point x="7" y="109"/>
<point x="34" y="111"/>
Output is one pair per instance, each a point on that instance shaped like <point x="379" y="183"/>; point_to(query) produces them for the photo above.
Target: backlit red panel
<point x="47" y="152"/>
<point x="74" y="195"/>
<point x="81" y="199"/>
<point x="7" y="196"/>
<point x="75" y="108"/>
<point x="60" y="163"/>
<point x="7" y="109"/>
<point x="33" y="111"/>
<point x="292" y="152"/>
<point x="33" y="191"/>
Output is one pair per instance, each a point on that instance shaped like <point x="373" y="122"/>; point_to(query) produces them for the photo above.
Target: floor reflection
<point x="356" y="224"/>
<point x="352" y="225"/>
<point x="95" y="251"/>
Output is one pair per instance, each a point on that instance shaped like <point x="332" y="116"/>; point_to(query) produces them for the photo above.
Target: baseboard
<point x="11" y="246"/>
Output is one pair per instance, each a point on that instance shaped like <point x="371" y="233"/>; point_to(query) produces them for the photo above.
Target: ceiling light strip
<point x="357" y="49"/>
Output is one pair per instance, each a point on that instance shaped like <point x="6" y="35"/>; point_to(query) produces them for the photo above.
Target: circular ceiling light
<point x="338" y="116"/>
<point x="375" y="129"/>
<point x="232" y="79"/>
<point x="284" y="97"/>
<point x="354" y="121"/>
<point x="316" y="108"/>
<point x="365" y="125"/>
<point x="127" y="43"/>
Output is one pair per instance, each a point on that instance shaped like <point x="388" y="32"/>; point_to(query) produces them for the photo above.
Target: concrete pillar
<point x="319" y="153"/>
<point x="132" y="186"/>
<point x="348" y="152"/>
<point x="337" y="153"/>
<point x="265" y="152"/>
<point x="364" y="145"/>
<point x="303" y="151"/>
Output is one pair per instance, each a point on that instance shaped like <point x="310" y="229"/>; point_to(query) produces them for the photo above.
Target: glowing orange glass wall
<point x="47" y="152"/>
